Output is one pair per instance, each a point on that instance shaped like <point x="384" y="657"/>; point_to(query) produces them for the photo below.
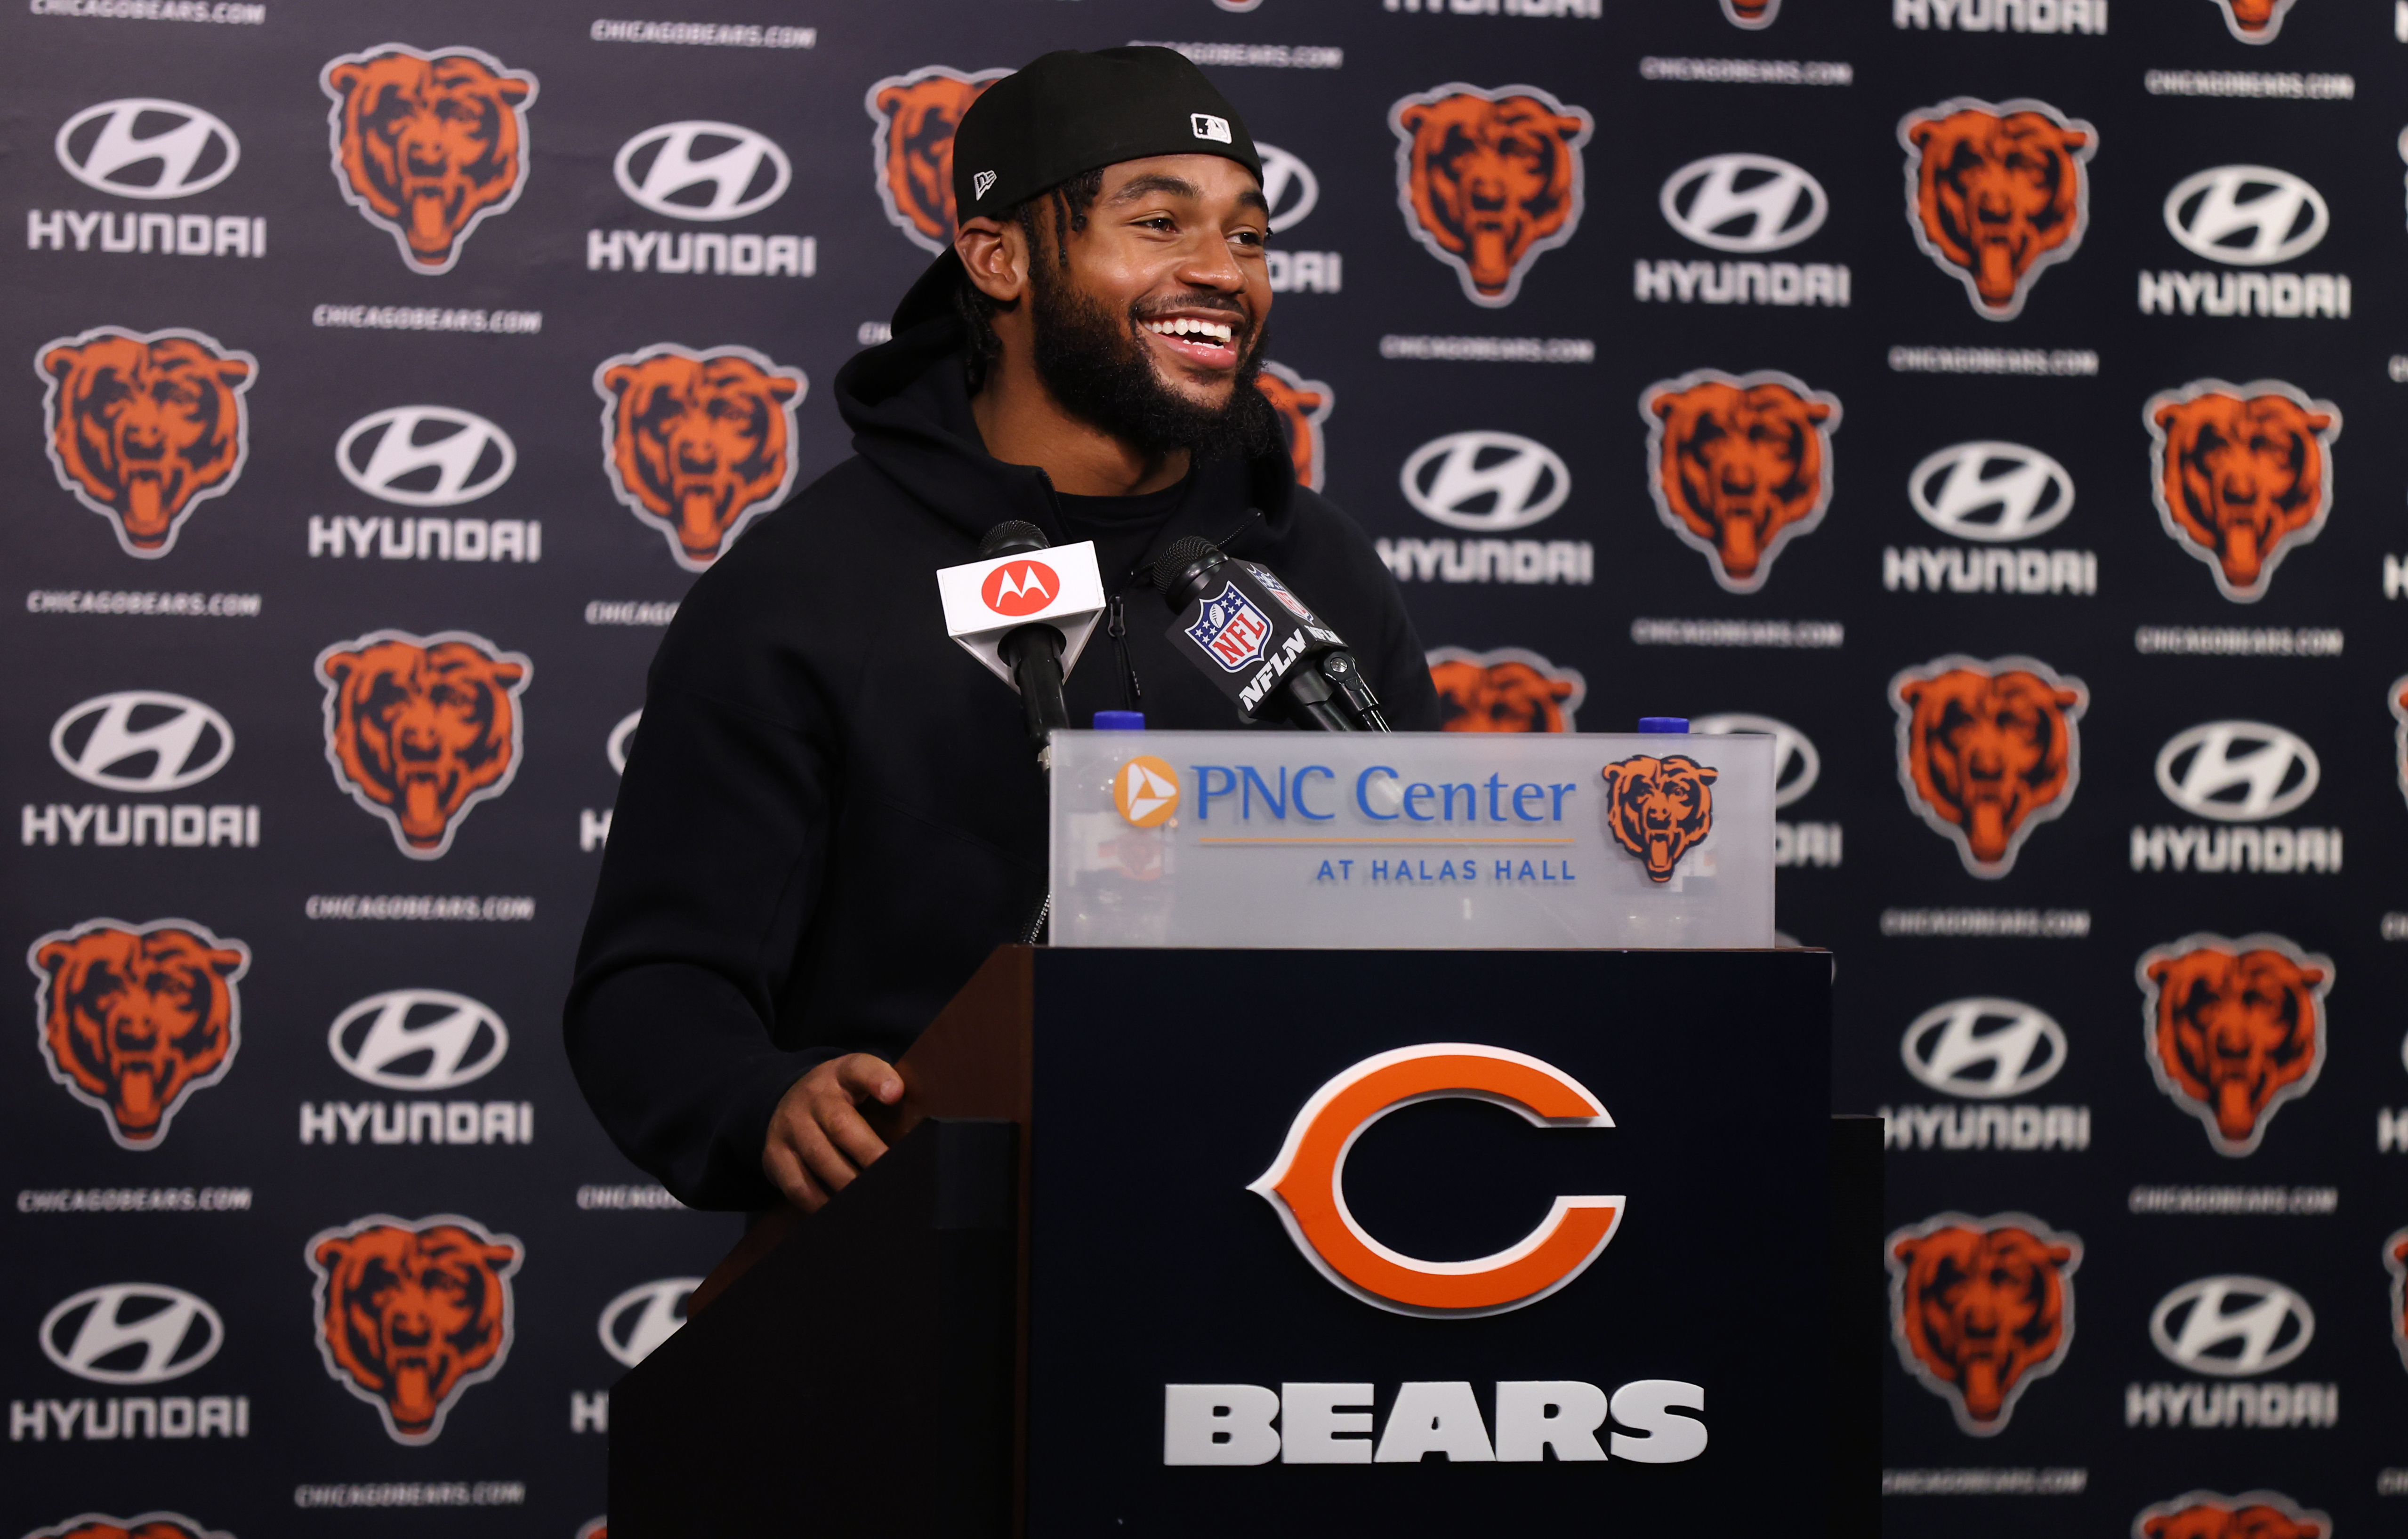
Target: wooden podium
<point x="979" y="1337"/>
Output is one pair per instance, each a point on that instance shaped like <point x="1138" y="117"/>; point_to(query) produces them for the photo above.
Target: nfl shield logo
<point x="1232" y="632"/>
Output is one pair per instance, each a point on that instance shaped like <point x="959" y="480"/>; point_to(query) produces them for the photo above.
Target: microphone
<point x="1245" y="630"/>
<point x="1027" y="619"/>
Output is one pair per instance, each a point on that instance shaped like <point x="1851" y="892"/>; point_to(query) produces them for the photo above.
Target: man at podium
<point x="831" y="814"/>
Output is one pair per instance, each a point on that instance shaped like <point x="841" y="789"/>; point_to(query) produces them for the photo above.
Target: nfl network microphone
<point x="1025" y="617"/>
<point x="1240" y="624"/>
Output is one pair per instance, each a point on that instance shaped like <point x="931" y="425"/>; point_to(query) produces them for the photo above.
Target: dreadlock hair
<point x="1069" y="201"/>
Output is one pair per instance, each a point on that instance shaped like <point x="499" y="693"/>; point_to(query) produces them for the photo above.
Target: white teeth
<point x="1184" y="326"/>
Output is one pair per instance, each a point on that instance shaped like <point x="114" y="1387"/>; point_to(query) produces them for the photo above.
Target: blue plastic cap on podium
<point x="1133" y="721"/>
<point x="1664" y="723"/>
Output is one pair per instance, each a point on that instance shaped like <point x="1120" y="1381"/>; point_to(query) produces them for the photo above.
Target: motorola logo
<point x="1489" y="482"/>
<point x="644" y="1316"/>
<point x="1985" y="1049"/>
<point x="702" y="170"/>
<point x="1990" y="491"/>
<point x="1289" y="186"/>
<point x="2232" y="1327"/>
<point x="615" y="750"/>
<point x="142" y="740"/>
<point x="418" y="1039"/>
<point x="1795" y="765"/>
<point x="426" y="456"/>
<point x="143" y="147"/>
<point x="2237" y="771"/>
<point x="1743" y="203"/>
<point x="132" y="1333"/>
<point x="2248" y="216"/>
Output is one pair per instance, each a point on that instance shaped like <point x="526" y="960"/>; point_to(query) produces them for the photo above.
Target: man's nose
<point x="1208" y="264"/>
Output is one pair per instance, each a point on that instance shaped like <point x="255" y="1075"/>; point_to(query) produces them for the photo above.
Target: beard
<point x="1098" y="367"/>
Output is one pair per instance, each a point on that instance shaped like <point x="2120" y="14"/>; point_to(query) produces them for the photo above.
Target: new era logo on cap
<point x="980" y="182"/>
<point x="1210" y="127"/>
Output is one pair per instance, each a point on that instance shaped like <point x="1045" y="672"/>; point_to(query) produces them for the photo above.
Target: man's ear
<point x="995" y="255"/>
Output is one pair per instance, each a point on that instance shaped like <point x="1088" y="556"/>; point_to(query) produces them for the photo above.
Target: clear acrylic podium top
<point x="1468" y="840"/>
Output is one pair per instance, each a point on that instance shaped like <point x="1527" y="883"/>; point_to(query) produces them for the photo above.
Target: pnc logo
<point x="911" y="155"/>
<point x="1988" y="752"/>
<point x="1507" y="689"/>
<point x="428" y="146"/>
<point x="1489" y="482"/>
<point x="132" y="1333"/>
<point x="1795" y="765"/>
<point x="702" y="170"/>
<point x="615" y="748"/>
<point x="426" y="456"/>
<point x="1488" y="179"/>
<point x="147" y="1525"/>
<point x="1741" y="463"/>
<point x="2248" y="216"/>
<point x="1146" y="790"/>
<point x="2231" y="1327"/>
<point x="418" y="1039"/>
<point x="410" y="1314"/>
<point x="1289" y="186"/>
<point x="2235" y="1028"/>
<point x="644" y="1316"/>
<point x="1019" y="587"/>
<point x="1306" y="1184"/>
<point x="2255" y="20"/>
<point x="2243" y="475"/>
<point x="2211" y="1515"/>
<point x="141" y="741"/>
<point x="420" y="729"/>
<point x="1659" y="809"/>
<point x="1990" y="491"/>
<point x="1981" y="1309"/>
<point x="1743" y="203"/>
<point x="2237" y="771"/>
<point x="1997" y="194"/>
<point x="144" y="426"/>
<point x="136" y="1017"/>
<point x="146" y="146"/>
<point x="1983" y="1050"/>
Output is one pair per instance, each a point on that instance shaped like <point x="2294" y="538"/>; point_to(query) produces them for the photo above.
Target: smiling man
<point x="829" y="814"/>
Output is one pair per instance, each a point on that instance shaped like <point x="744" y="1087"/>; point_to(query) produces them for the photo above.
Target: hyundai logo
<point x="1289" y="186"/>
<point x="132" y="1333"/>
<point x="1795" y="765"/>
<point x="1485" y="481"/>
<point x="702" y="170"/>
<point x="142" y="740"/>
<point x="418" y="1039"/>
<point x="142" y="147"/>
<point x="2248" y="216"/>
<point x="1983" y="1050"/>
<point x="2233" y="1326"/>
<point x="644" y="1316"/>
<point x="426" y="456"/>
<point x="2237" y="771"/>
<point x="616" y="748"/>
<point x="1743" y="203"/>
<point x="1992" y="492"/>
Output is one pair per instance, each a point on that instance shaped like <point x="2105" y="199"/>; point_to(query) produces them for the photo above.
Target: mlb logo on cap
<point x="1210" y="127"/>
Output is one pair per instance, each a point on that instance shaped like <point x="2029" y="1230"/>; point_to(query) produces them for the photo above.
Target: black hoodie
<point x="831" y="813"/>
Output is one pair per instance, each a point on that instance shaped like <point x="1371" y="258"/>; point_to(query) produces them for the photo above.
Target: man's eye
<point x="1159" y="222"/>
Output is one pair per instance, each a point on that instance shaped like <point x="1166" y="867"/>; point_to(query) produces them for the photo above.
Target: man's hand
<point x="818" y="1143"/>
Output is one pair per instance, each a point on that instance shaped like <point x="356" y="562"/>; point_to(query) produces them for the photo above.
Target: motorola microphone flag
<point x="987" y="600"/>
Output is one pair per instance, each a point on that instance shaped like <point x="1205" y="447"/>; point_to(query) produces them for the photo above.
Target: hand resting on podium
<point x="818" y="1141"/>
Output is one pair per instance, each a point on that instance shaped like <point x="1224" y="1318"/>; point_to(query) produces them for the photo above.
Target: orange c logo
<point x="1306" y="1183"/>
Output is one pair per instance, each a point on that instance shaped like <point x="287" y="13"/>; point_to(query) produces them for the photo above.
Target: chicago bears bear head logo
<point x="411" y="1313"/>
<point x="1997" y="194"/>
<point x="149" y="1525"/>
<point x="2397" y="695"/>
<point x="136" y="1017"/>
<point x="1742" y="465"/>
<point x="2253" y="1515"/>
<point x="2243" y="475"/>
<point x="428" y="145"/>
<point x="1508" y="690"/>
<point x="1753" y="15"/>
<point x="699" y="443"/>
<point x="1659" y="809"/>
<point x="2255" y="20"/>
<point x="911" y="155"/>
<point x="143" y="426"/>
<point x="1980" y="1308"/>
<point x="1303" y="404"/>
<point x="2234" y="1030"/>
<point x="420" y="729"/>
<point x="1987" y="751"/>
<point x="1488" y="179"/>
<point x="2395" y="1259"/>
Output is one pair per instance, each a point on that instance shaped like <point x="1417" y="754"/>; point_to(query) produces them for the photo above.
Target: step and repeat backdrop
<point x="1995" y="400"/>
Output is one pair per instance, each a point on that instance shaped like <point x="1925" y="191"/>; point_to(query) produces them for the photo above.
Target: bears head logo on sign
<point x="143" y="426"/>
<point x="1508" y="690"/>
<point x="420" y="729"/>
<point x="2211" y="1515"/>
<point x="699" y="444"/>
<point x="2243" y="475"/>
<point x="1303" y="404"/>
<point x="2255" y="20"/>
<point x="136" y="1017"/>
<point x="1753" y="15"/>
<point x="1980" y="1308"/>
<point x="1997" y="194"/>
<point x="411" y="1313"/>
<point x="1488" y="179"/>
<point x="2235" y="1028"/>
<point x="149" y="1525"/>
<point x="2395" y="1259"/>
<point x="1659" y="809"/>
<point x="911" y="155"/>
<point x="1742" y="465"/>
<point x="1987" y="751"/>
<point x="427" y="145"/>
